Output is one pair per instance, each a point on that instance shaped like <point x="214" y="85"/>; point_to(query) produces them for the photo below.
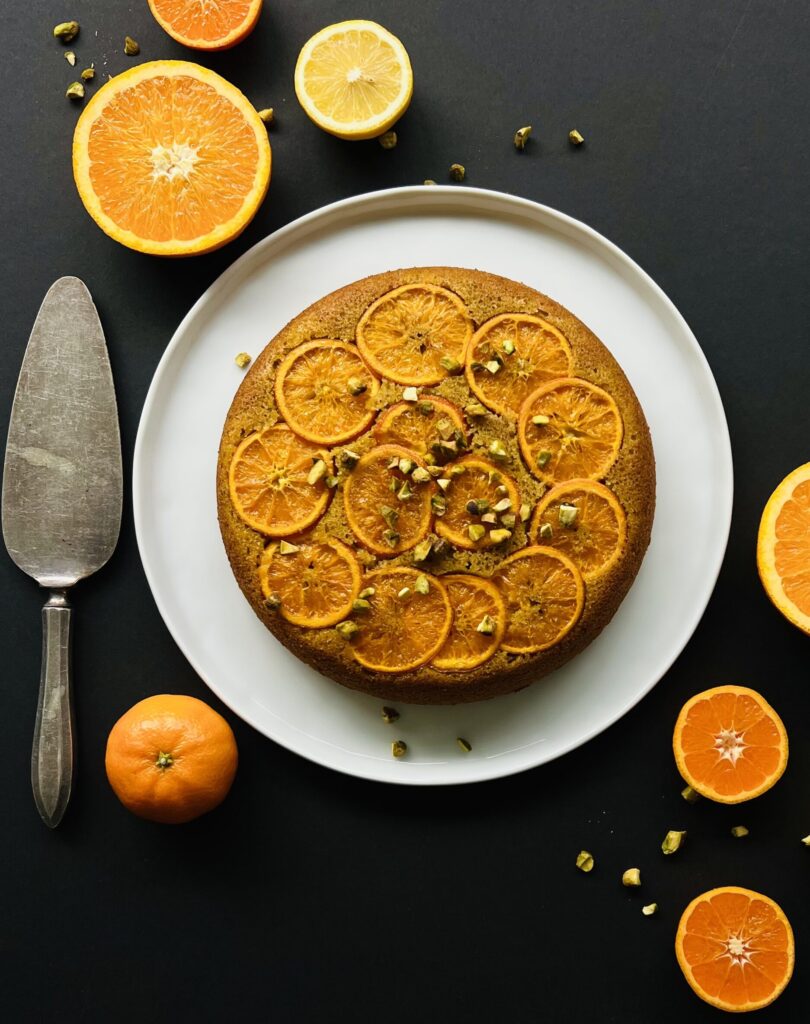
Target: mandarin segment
<point x="783" y="548"/>
<point x="407" y="332"/>
<point x="269" y="482"/>
<point x="419" y="425"/>
<point x="316" y="584"/>
<point x="479" y="621"/>
<point x="207" y="24"/>
<point x="325" y="391"/>
<point x="476" y="488"/>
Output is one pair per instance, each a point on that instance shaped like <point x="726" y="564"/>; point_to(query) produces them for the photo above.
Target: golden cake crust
<point x="631" y="478"/>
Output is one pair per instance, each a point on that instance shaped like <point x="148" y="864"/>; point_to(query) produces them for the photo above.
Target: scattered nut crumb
<point x="243" y="360"/>
<point x="575" y="138"/>
<point x="649" y="909"/>
<point x="267" y="114"/>
<point x="522" y="137"/>
<point x="388" y="140"/>
<point x="131" y="48"/>
<point x="585" y="861"/>
<point x="458" y="172"/>
<point x="75" y="91"/>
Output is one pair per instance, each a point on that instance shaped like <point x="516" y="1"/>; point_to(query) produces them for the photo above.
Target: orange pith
<point x="783" y="547"/>
<point x="414" y="425"/>
<point x="595" y="539"/>
<point x="729" y="744"/>
<point x="472" y="599"/>
<point x="171" y="159"/>
<point x="735" y="948"/>
<point x="543" y="593"/>
<point x="479" y="481"/>
<point x="401" y="633"/>
<point x="385" y="523"/>
<point x="405" y="334"/>
<point x="207" y="24"/>
<point x="314" y="386"/>
<point x="540" y="353"/>
<point x="316" y="584"/>
<point x="582" y="437"/>
<point x="269" y="486"/>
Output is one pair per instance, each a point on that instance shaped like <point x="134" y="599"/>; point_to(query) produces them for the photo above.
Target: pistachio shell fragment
<point x="631" y="877"/>
<point x="585" y="861"/>
<point x="672" y="841"/>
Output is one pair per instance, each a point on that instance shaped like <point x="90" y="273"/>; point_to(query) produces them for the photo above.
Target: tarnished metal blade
<point x="62" y="481"/>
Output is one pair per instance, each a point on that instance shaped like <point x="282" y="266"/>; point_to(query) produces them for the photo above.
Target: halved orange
<point x="325" y="391"/>
<point x="474" y="481"/>
<point x="582" y="436"/>
<point x="503" y="378"/>
<point x="735" y="948"/>
<point x="729" y="744"/>
<point x="407" y="332"/>
<point x="171" y="159"/>
<point x="385" y="518"/>
<point x="403" y="629"/>
<point x="269" y="484"/>
<point x="476" y="603"/>
<point x="595" y="536"/>
<point x="415" y="425"/>
<point x="207" y="24"/>
<point x="544" y="595"/>
<point x="316" y="584"/>
<point x="783" y="547"/>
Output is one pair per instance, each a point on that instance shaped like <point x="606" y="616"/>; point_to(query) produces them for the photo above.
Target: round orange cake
<point x="435" y="485"/>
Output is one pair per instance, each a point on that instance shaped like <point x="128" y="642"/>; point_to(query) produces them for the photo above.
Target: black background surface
<point x="311" y="896"/>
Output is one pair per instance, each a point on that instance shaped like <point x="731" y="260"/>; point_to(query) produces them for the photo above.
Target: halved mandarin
<point x="325" y="391"/>
<point x="510" y="356"/>
<point x="569" y="429"/>
<point x="269" y="482"/>
<point x="735" y="948"/>
<point x="407" y="332"/>
<point x="207" y="24"/>
<point x="418" y="425"/>
<point x="584" y="520"/>
<point x="544" y="595"/>
<point x="403" y="628"/>
<point x="479" y="621"/>
<point x="387" y="510"/>
<point x="729" y="744"/>
<point x="783" y="547"/>
<point x="477" y="495"/>
<point x="315" y="584"/>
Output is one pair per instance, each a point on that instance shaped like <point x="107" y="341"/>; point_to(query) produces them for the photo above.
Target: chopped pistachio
<point x="331" y="481"/>
<point x="405" y="492"/>
<point x="444" y="449"/>
<point x="75" y="91"/>
<point x="541" y="421"/>
<point x="476" y="532"/>
<point x="273" y="601"/>
<point x="631" y="877"/>
<point x="391" y="538"/>
<point x="475" y="366"/>
<point x="445" y="428"/>
<point x="440" y="546"/>
<point x="501" y="489"/>
<point x="585" y="861"/>
<point x="525" y="512"/>
<point x="268" y="115"/>
<point x="499" y="536"/>
<point x="360" y="604"/>
<point x="388" y="140"/>
<point x="477" y="506"/>
<point x="426" y="408"/>
<point x="453" y="366"/>
<point x="242" y="359"/>
<point x="508" y="347"/>
<point x="422" y="550"/>
<point x="356" y="385"/>
<point x="390" y="715"/>
<point x="347" y="629"/>
<point x="131" y="48"/>
<point x="649" y="909"/>
<point x="486" y="626"/>
<point x="739" y="831"/>
<point x="503" y="505"/>
<point x="522" y="137"/>
<point x="420" y="475"/>
<point x="443" y="482"/>
<point x="460" y="438"/>
<point x="367" y="592"/>
<point x="575" y="138"/>
<point x="286" y="548"/>
<point x="317" y="472"/>
<point x="410" y="395"/>
<point x="406" y="465"/>
<point x="393" y="463"/>
<point x="399" y="748"/>
<point x="457" y="172"/>
<point x="546" y="531"/>
<point x="66" y="31"/>
<point x="428" y="181"/>
<point x="349" y="459"/>
<point x="390" y="515"/>
<point x="568" y="515"/>
<point x="434" y="470"/>
<point x="422" y="585"/>
<point x="465" y="745"/>
<point x="672" y="841"/>
<point x="489" y="518"/>
<point x="438" y="504"/>
<point x="475" y="409"/>
<point x="70" y="57"/>
<point x="509" y="519"/>
<point x="690" y="795"/>
<point x="404" y="593"/>
<point x="393" y="485"/>
<point x="806" y="840"/>
<point x="543" y="458"/>
<point x="492" y="365"/>
<point x="497" y="450"/>
<point x="455" y="471"/>
<point x="88" y="74"/>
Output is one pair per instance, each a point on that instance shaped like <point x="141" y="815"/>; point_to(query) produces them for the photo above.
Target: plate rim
<point x="486" y="769"/>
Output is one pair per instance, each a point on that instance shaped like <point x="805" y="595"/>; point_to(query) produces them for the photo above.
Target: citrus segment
<point x="407" y="333"/>
<point x="543" y="593"/>
<point x="315" y="584"/>
<point x="326" y="392"/>
<point x="729" y="744"/>
<point x="510" y="356"/>
<point x="783" y="547"/>
<point x="582" y="436"/>
<point x="171" y="159"/>
<point x="207" y="24"/>
<point x="592" y="535"/>
<point x="735" y="948"/>
<point x="479" y="620"/>
<point x="354" y="79"/>
<point x="418" y="425"/>
<point x="478" y="495"/>
<point x="270" y="485"/>
<point x="387" y="510"/>
<point x="403" y="628"/>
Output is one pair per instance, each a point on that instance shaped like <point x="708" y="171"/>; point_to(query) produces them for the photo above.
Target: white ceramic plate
<point x="175" y="458"/>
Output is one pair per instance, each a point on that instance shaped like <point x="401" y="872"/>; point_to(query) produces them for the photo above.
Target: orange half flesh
<point x="207" y="24"/>
<point x="783" y="547"/>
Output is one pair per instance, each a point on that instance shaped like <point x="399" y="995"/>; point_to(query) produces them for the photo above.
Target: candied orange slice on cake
<point x="729" y="744"/>
<point x="388" y="508"/>
<point x="207" y="24"/>
<point x="408" y="620"/>
<point x="416" y="334"/>
<point x="510" y="356"/>
<point x="783" y="547"/>
<point x="585" y="521"/>
<point x="544" y="596"/>
<point x="479" y="620"/>
<point x="477" y="504"/>
<point x="325" y="391"/>
<point x="569" y="429"/>
<point x="735" y="948"/>
<point x="311" y="583"/>
<point x="275" y="483"/>
<point x="421" y="424"/>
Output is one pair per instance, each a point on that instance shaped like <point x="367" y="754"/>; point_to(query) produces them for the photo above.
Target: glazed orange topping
<point x="418" y="425"/>
<point x="479" y="620"/>
<point x="783" y="547"/>
<point x="475" y="482"/>
<point x="316" y="584"/>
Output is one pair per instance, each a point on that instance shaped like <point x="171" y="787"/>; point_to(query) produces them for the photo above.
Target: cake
<point x="435" y="485"/>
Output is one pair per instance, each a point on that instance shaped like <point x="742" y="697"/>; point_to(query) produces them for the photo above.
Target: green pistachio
<point x="486" y="626"/>
<point x="522" y="137"/>
<point x="672" y="841"/>
<point x="476" y="532"/>
<point x="286" y="548"/>
<point x="347" y="629"/>
<point x="631" y="877"/>
<point x="390" y="715"/>
<point x="465" y="745"/>
<point x="66" y="31"/>
<point x="585" y="861"/>
<point x="422" y="585"/>
<point x="399" y="748"/>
